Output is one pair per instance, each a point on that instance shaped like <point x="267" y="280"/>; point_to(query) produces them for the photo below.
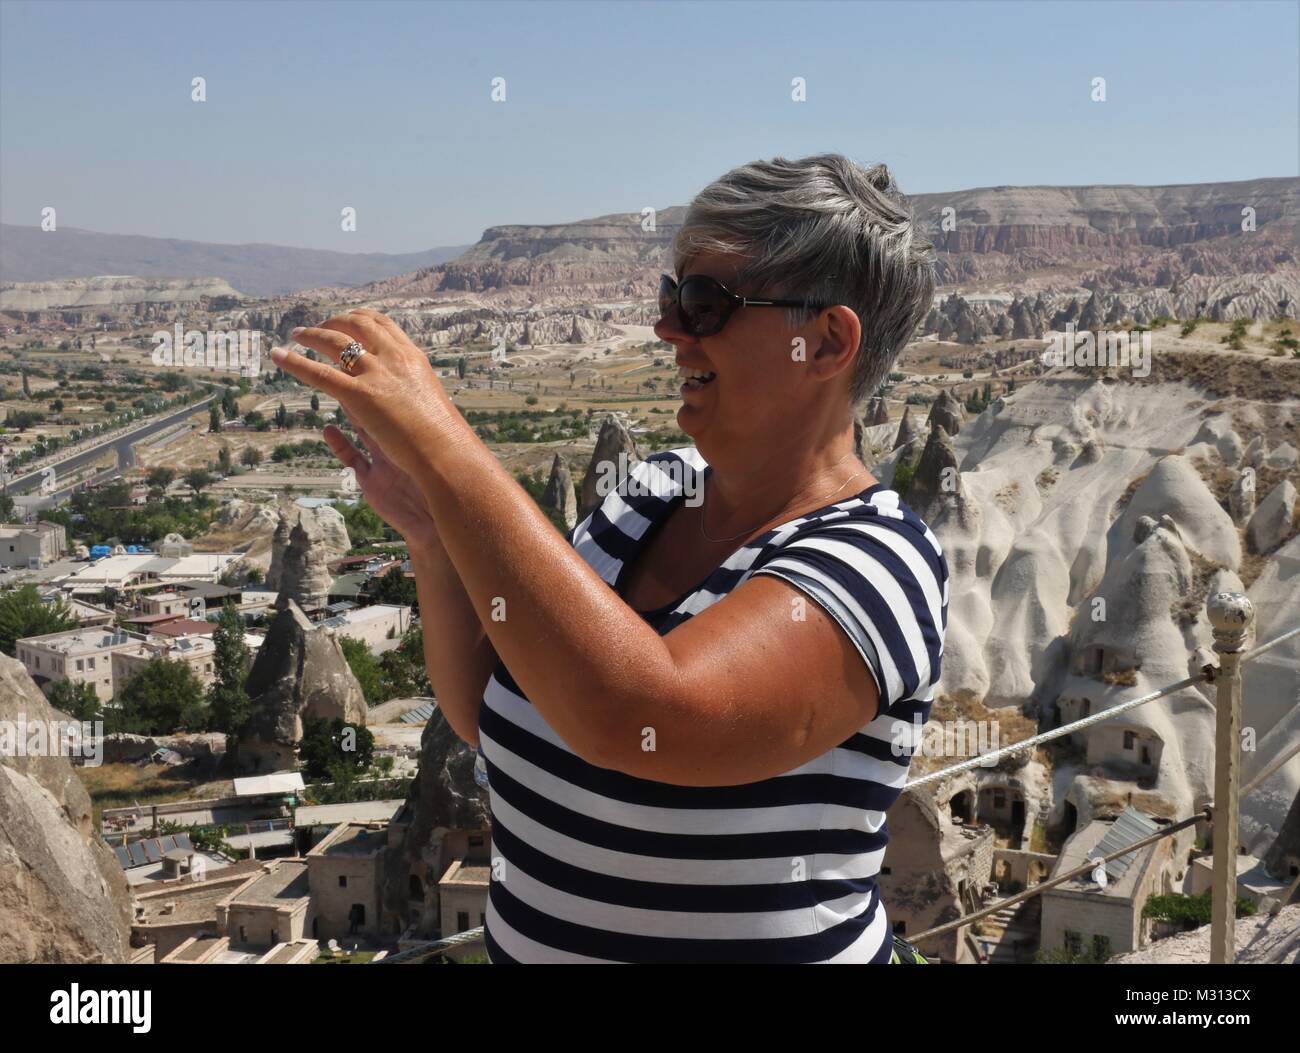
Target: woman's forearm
<point x="457" y="652"/>
<point x="581" y="655"/>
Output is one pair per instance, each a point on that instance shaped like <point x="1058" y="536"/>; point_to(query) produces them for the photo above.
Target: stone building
<point x="31" y="548"/>
<point x="345" y="877"/>
<point x="82" y="656"/>
<point x="1083" y="916"/>
<point x="935" y="867"/>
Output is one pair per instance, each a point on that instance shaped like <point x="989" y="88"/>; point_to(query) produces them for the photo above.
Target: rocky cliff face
<point x="1090" y="518"/>
<point x="443" y="797"/>
<point x="63" y="897"/>
<point x="1113" y="237"/>
<point x="299" y="672"/>
<point x="305" y="542"/>
<point x="108" y="291"/>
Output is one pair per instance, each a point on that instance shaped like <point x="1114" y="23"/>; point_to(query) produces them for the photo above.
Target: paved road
<point x="121" y="445"/>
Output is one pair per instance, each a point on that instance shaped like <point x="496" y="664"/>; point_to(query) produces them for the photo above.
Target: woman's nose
<point x="669" y="328"/>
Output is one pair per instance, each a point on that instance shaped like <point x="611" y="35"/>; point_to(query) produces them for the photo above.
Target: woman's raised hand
<point x="393" y="393"/>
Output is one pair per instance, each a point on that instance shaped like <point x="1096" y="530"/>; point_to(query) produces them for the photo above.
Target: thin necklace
<point x="722" y="540"/>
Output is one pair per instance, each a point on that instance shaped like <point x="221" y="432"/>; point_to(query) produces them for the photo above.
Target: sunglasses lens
<point x="702" y="306"/>
<point x="667" y="295"/>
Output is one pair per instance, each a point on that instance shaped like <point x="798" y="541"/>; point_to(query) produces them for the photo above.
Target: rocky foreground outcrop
<point x="299" y="672"/>
<point x="63" y="897"/>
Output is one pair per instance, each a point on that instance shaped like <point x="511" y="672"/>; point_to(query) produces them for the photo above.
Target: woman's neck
<point x="744" y="490"/>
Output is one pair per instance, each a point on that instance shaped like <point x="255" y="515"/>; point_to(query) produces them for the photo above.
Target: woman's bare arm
<point x="457" y="652"/>
<point x="741" y="692"/>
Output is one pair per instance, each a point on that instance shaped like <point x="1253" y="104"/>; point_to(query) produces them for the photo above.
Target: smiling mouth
<point x="694" y="379"/>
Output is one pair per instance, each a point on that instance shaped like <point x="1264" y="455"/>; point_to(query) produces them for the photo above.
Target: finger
<point x="375" y="451"/>
<point x="320" y="376"/>
<point x="359" y="327"/>
<point x="329" y="342"/>
<point x="349" y="456"/>
<point x="380" y="319"/>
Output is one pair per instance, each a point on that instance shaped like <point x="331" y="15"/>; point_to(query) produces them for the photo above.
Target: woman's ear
<point x="836" y="335"/>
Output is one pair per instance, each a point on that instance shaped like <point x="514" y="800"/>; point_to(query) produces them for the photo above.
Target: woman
<point x="688" y="761"/>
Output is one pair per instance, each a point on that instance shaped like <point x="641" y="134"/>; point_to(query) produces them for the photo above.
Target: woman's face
<point x="759" y="380"/>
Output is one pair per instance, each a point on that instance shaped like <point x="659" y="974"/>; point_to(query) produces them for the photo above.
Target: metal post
<point x="1232" y="616"/>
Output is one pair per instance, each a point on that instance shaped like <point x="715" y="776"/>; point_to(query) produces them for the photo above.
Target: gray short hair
<point x="827" y="230"/>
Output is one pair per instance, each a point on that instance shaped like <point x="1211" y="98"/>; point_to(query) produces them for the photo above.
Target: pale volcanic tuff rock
<point x="615" y="454"/>
<point x="559" y="493"/>
<point x="1274" y="519"/>
<point x="63" y="896"/>
<point x="948" y="413"/>
<point x="1038" y="530"/>
<point x="108" y="291"/>
<point x="877" y="411"/>
<point x="306" y="541"/>
<point x="907" y="429"/>
<point x="444" y="796"/>
<point x="299" y="672"/>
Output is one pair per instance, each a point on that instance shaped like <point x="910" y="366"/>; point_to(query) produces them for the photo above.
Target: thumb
<point x="349" y="456"/>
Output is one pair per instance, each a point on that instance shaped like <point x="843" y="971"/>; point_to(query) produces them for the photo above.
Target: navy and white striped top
<point x="595" y="865"/>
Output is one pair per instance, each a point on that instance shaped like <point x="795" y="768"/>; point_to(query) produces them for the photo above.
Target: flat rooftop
<point x="356" y="812"/>
<point x="91" y="639"/>
<point x="355" y="839"/>
<point x="288" y="881"/>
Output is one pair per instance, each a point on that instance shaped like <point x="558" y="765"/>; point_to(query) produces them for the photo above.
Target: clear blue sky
<point x="610" y="106"/>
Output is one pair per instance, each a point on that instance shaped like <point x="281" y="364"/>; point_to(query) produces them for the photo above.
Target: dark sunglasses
<point x="705" y="304"/>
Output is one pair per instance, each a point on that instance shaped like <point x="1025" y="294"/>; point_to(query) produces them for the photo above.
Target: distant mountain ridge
<point x="1115" y="236"/>
<point x="1108" y="237"/>
<point x="29" y="254"/>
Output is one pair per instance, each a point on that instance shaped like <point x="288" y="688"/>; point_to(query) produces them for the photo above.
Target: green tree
<point x="79" y="701"/>
<point x="362" y="521"/>
<point x="228" y="701"/>
<point x="366" y="669"/>
<point x="251" y="457"/>
<point x="324" y="749"/>
<point x="395" y="588"/>
<point x="164" y="697"/>
<point x="161" y="477"/>
<point x="198" y="479"/>
<point x="460" y="367"/>
<point x="8" y="509"/>
<point x="281" y="417"/>
<point x="23" y="613"/>
<point x="214" y="417"/>
<point x="315" y="402"/>
<point x="27" y="386"/>
<point x="224" y="462"/>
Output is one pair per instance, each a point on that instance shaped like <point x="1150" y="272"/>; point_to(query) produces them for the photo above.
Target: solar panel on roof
<point x="123" y="857"/>
<point x="419" y="715"/>
<point x="1129" y="827"/>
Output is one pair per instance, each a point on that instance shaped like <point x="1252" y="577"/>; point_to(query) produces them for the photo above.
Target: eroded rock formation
<point x="306" y="541"/>
<point x="63" y="896"/>
<point x="299" y="672"/>
<point x="614" y="456"/>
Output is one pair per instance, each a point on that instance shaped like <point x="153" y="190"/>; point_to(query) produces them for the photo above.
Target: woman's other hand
<point x="388" y="490"/>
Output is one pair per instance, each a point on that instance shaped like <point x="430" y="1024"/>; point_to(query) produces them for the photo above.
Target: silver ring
<point x="351" y="355"/>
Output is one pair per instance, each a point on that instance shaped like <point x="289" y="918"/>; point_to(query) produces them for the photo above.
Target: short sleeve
<point x="885" y="582"/>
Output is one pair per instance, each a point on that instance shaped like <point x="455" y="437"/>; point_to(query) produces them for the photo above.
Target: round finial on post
<point x="1232" y="616"/>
